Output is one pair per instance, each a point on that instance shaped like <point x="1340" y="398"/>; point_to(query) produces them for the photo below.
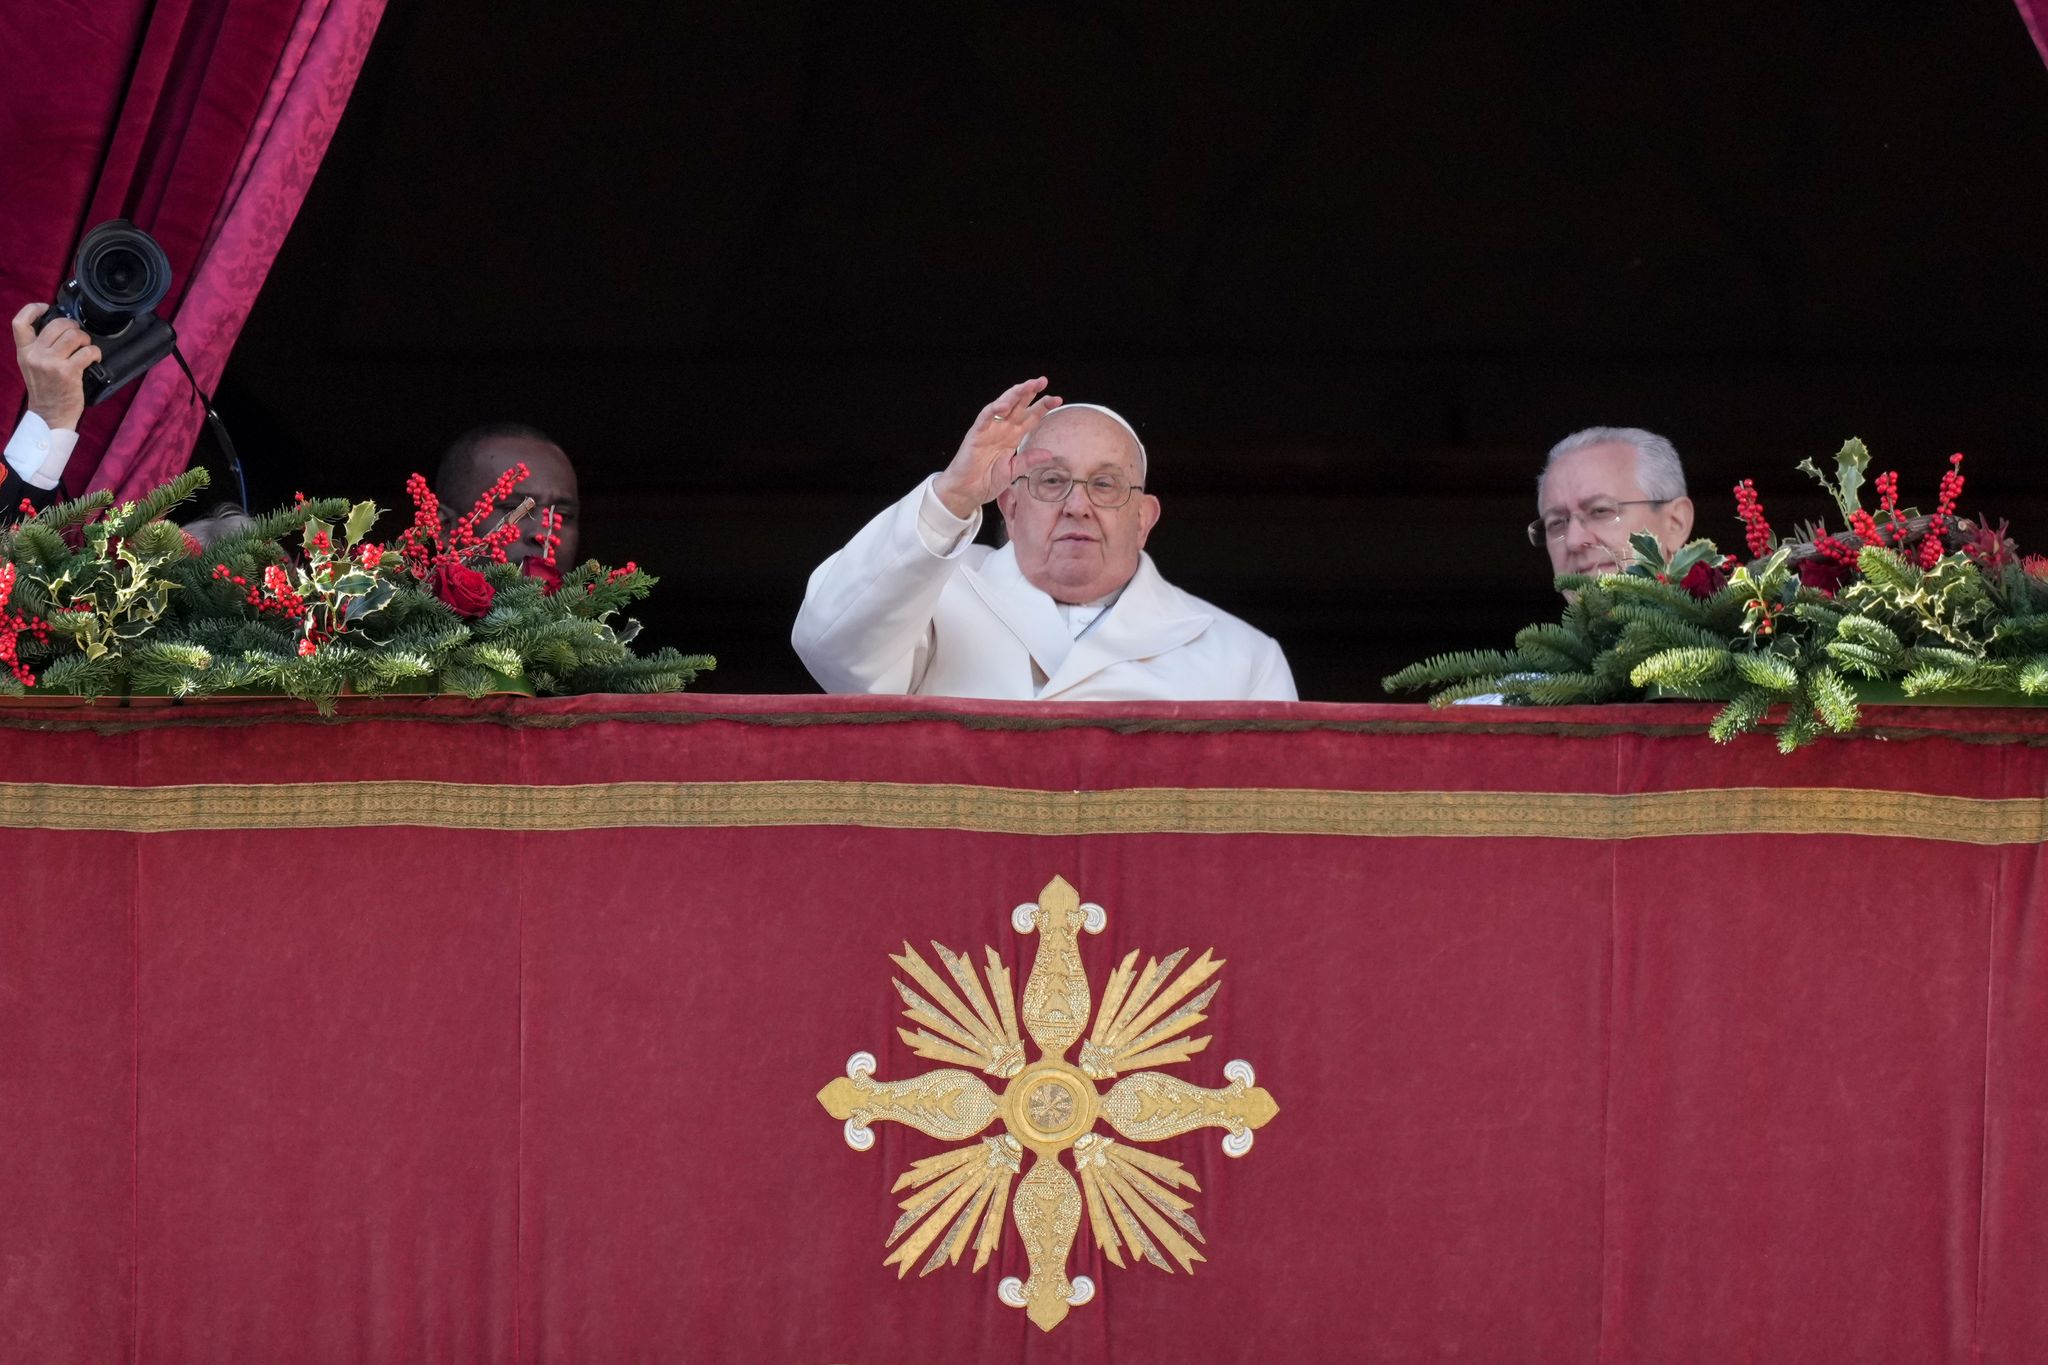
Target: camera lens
<point x="121" y="271"/>
<point x="122" y="275"/>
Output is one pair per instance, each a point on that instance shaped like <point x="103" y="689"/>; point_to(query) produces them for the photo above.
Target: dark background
<point x="1349" y="268"/>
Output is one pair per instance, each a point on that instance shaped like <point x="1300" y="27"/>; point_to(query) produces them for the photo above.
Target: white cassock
<point x="913" y="606"/>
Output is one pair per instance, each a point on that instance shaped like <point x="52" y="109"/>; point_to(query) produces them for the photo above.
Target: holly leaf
<point x="1850" y="462"/>
<point x="1690" y="554"/>
<point x="373" y="600"/>
<point x="360" y="518"/>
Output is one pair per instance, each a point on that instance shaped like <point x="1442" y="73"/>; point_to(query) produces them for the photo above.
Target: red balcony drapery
<point x="492" y="1030"/>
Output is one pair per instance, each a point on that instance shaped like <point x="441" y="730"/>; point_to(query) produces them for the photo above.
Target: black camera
<point x="119" y="278"/>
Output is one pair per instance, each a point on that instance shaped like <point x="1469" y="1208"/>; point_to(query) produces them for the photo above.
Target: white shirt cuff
<point x="39" y="454"/>
<point x="942" y="532"/>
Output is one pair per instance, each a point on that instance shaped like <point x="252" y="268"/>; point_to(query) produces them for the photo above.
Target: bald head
<point x="480" y="455"/>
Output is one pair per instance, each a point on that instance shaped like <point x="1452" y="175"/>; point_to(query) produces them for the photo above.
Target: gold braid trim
<point x="1013" y="810"/>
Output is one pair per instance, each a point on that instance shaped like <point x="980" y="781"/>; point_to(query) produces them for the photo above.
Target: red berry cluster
<point x="369" y="556"/>
<point x="1937" y="525"/>
<point x="463" y="536"/>
<point x="1751" y="509"/>
<point x="274" y="594"/>
<point x="13" y="627"/>
<point x="223" y="574"/>
<point x="1767" y="614"/>
<point x="278" y="595"/>
<point x="613" y="576"/>
<point x="550" y="525"/>
<point x="28" y="509"/>
<point x="417" y="541"/>
<point x="423" y="544"/>
<point x="1839" y="550"/>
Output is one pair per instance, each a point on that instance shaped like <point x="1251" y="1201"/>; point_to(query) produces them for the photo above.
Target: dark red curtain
<point x="145" y="111"/>
<point x="2035" y="13"/>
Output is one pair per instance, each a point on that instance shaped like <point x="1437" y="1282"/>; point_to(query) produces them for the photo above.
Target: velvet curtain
<point x="2035" y="13"/>
<point x="202" y="122"/>
<point x="492" y="1031"/>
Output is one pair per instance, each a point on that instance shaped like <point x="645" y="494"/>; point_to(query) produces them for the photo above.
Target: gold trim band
<point x="1013" y="810"/>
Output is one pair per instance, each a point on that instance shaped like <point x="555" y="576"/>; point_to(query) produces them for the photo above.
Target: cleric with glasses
<point x="1599" y="487"/>
<point x="1070" y="608"/>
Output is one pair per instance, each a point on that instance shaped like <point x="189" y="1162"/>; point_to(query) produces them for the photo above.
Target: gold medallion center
<point x="1049" y="1105"/>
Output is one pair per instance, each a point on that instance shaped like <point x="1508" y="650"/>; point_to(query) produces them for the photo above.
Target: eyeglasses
<point x="1050" y="483"/>
<point x="1601" y="512"/>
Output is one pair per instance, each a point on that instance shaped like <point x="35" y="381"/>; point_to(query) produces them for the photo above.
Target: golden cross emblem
<point x="1049" y="1106"/>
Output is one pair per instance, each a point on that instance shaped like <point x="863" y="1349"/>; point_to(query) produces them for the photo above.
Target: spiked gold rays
<point x="974" y="1033"/>
<point x="956" y="1189"/>
<point x="958" y="1198"/>
<point x="1130" y="1031"/>
<point x="1129" y="1202"/>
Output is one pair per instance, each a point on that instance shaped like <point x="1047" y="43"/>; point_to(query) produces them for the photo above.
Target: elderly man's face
<point x="1578" y="492"/>
<point x="1073" y="550"/>
<point x="550" y="482"/>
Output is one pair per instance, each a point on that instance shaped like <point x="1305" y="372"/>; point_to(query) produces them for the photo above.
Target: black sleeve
<point x="13" y="488"/>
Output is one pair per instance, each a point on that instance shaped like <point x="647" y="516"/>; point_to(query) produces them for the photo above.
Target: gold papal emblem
<point x="1049" y="1106"/>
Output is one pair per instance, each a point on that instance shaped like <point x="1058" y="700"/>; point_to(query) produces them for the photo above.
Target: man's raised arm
<point x="866" y="621"/>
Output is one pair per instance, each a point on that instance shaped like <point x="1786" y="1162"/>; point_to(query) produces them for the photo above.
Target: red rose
<point x="1704" y="579"/>
<point x="1818" y="571"/>
<point x="462" y="588"/>
<point x="549" y="574"/>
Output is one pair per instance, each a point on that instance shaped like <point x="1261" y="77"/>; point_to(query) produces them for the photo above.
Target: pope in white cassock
<point x="1071" y="609"/>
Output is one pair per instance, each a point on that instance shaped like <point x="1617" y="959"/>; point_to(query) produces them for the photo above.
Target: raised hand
<point x="53" y="364"/>
<point x="981" y="467"/>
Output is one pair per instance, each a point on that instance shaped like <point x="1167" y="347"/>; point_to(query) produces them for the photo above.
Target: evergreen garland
<point x="1932" y="604"/>
<point x="105" y="600"/>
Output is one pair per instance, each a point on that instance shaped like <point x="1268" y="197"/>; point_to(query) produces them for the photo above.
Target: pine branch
<point x="1443" y="670"/>
<point x="1683" y="669"/>
<point x="131" y="517"/>
<point x="1833" y="698"/>
<point x="1772" y="672"/>
<point x="1741" y="715"/>
<point x="62" y="516"/>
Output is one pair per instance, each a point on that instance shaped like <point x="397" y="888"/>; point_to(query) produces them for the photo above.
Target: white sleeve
<point x="1276" y="680"/>
<point x="39" y="454"/>
<point x="943" y="533"/>
<point x="866" y="621"/>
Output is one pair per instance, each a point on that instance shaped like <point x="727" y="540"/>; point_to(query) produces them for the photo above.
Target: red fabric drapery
<point x="200" y="121"/>
<point x="2035" y="13"/>
<point x="491" y="1031"/>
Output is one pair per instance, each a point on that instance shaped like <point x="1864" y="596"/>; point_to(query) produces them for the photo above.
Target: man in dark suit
<point x="53" y="364"/>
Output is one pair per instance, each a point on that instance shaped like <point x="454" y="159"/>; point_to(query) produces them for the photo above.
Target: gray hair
<point x="1113" y="416"/>
<point x="1657" y="466"/>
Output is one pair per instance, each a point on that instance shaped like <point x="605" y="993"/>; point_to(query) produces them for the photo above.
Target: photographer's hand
<point x="53" y="364"/>
<point x="980" y="469"/>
